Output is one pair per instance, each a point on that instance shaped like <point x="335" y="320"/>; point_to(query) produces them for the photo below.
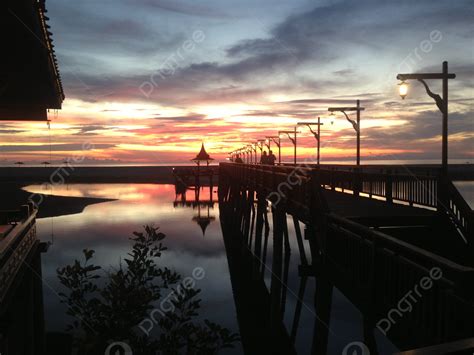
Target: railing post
<point x="279" y="214"/>
<point x="388" y="187"/>
<point x="331" y="179"/>
<point x="357" y="181"/>
<point x="442" y="203"/>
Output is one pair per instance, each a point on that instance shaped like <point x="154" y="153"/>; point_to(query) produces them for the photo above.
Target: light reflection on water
<point x="106" y="227"/>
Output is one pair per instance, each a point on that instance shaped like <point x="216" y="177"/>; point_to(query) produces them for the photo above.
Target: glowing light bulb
<point x="403" y="89"/>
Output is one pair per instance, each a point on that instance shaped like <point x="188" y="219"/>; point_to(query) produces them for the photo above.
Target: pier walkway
<point x="372" y="233"/>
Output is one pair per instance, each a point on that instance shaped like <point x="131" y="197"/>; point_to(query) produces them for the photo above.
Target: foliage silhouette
<point x="110" y="308"/>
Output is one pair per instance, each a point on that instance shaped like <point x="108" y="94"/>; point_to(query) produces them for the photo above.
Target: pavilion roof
<point x="202" y="155"/>
<point x="30" y="82"/>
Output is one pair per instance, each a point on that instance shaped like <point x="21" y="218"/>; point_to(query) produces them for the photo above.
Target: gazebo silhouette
<point x="202" y="157"/>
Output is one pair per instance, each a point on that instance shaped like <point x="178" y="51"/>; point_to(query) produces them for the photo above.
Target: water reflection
<point x="141" y="305"/>
<point x="105" y="227"/>
<point x="202" y="201"/>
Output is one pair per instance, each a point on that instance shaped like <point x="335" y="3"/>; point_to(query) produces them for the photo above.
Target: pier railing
<point x="16" y="244"/>
<point x="425" y="189"/>
<point x="459" y="211"/>
<point x="379" y="273"/>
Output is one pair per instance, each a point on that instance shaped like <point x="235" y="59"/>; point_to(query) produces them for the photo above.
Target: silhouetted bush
<point x="109" y="306"/>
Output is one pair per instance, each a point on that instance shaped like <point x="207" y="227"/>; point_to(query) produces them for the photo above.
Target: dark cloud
<point x="188" y="118"/>
<point x="419" y="131"/>
<point x="326" y="101"/>
<point x="11" y="131"/>
<point x="53" y="147"/>
<point x="297" y="42"/>
<point x="181" y="7"/>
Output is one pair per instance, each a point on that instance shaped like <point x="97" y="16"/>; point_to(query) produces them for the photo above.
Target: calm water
<point x="106" y="227"/>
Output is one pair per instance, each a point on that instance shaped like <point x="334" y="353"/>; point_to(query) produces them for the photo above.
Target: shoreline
<point x="13" y="196"/>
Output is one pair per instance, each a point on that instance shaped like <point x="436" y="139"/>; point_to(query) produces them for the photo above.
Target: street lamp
<point x="292" y="139"/>
<point x="268" y="143"/>
<point x="259" y="145"/>
<point x="441" y="102"/>
<point x="355" y="124"/>
<point x="233" y="154"/>
<point x="278" y="144"/>
<point x="250" y="150"/>
<point x="316" y="134"/>
<point x="239" y="153"/>
<point x="246" y="154"/>
<point x="253" y="150"/>
<point x="403" y="89"/>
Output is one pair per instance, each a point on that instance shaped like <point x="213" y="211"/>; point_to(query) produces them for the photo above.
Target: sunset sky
<point x="146" y="81"/>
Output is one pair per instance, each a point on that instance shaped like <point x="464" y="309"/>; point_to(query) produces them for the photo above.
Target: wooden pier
<point x="373" y="234"/>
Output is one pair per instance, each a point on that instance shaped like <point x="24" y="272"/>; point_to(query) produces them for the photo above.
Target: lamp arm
<point x="276" y="142"/>
<point x="291" y="139"/>
<point x="315" y="134"/>
<point x="439" y="101"/>
<point x="354" y="123"/>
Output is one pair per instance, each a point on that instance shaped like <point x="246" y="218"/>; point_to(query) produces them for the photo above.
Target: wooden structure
<point x="21" y="293"/>
<point x="30" y="82"/>
<point x="373" y="235"/>
<point x="195" y="178"/>
<point x="30" y="85"/>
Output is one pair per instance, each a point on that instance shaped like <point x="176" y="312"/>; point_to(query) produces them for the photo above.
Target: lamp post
<point x="246" y="153"/>
<point x="253" y="150"/>
<point x="355" y="124"/>
<point x="292" y="139"/>
<point x="239" y="153"/>
<point x="260" y="146"/>
<point x="268" y="143"/>
<point x="316" y="134"/>
<point x="441" y="102"/>
<point x="278" y="144"/>
<point x="250" y="150"/>
<point x="255" y="145"/>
